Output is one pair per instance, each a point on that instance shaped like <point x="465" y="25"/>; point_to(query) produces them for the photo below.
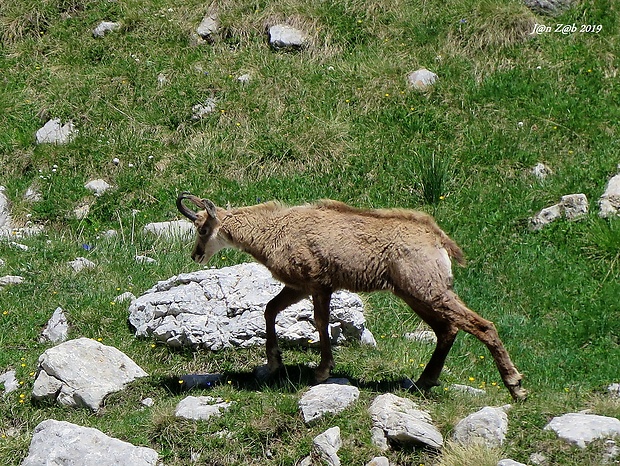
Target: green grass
<point x="335" y="120"/>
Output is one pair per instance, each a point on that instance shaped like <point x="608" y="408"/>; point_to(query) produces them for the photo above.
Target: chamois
<point x="319" y="248"/>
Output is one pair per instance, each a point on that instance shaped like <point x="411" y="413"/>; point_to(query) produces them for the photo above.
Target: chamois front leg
<point x="281" y="301"/>
<point x="321" y="321"/>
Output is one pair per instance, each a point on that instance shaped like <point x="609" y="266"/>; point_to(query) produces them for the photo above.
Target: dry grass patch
<point x="455" y="454"/>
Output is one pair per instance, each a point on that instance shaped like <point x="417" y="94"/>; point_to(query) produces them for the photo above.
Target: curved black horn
<point x="183" y="209"/>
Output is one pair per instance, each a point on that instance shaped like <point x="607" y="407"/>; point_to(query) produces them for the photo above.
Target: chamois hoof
<point x="517" y="392"/>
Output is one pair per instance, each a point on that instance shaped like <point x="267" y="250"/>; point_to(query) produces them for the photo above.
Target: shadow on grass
<point x="291" y="378"/>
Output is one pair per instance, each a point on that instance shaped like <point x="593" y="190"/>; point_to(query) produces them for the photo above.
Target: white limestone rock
<point x="541" y="171"/>
<point x="174" y="230"/>
<point x="126" y="296"/>
<point x="422" y="79"/>
<point x="325" y="448"/>
<point x="614" y="390"/>
<point x="83" y="372"/>
<point x="609" y="203"/>
<point x="201" y="408"/>
<point x="209" y="26"/>
<point x="509" y="462"/>
<point x="223" y="308"/>
<point x="581" y="429"/>
<point x="403" y="423"/>
<point x="62" y="443"/>
<point x="203" y="109"/>
<point x="54" y="132"/>
<point x="574" y="206"/>
<point x="467" y="389"/>
<point x="285" y="37"/>
<point x="10" y="280"/>
<point x="549" y="7"/>
<point x="379" y="461"/>
<point x="98" y="187"/>
<point x="487" y="426"/>
<point x="57" y="328"/>
<point x="81" y="263"/>
<point x="5" y="214"/>
<point x="327" y="398"/>
<point x="9" y="381"/>
<point x="104" y="27"/>
<point x="422" y="336"/>
<point x="545" y="217"/>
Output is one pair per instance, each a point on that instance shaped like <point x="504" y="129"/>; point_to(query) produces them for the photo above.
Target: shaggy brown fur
<point x="320" y="248"/>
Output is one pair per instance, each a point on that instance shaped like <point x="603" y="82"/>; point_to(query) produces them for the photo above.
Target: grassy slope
<point x="336" y="120"/>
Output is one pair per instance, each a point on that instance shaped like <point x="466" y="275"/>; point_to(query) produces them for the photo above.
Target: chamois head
<point x="206" y="223"/>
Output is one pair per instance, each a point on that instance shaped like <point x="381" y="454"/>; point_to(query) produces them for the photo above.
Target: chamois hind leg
<point x="446" y="334"/>
<point x="321" y="321"/>
<point x="281" y="301"/>
<point x="453" y="309"/>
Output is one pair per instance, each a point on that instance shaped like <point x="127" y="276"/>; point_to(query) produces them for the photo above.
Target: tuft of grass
<point x="434" y="173"/>
<point x="455" y="454"/>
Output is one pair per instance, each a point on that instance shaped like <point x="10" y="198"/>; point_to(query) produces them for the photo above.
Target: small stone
<point x="81" y="263"/>
<point x="402" y="423"/>
<point x="422" y="79"/>
<point x="116" y="161"/>
<point x="98" y="187"/>
<point x="545" y="217"/>
<point x="145" y="260"/>
<point x="326" y="446"/>
<point x="148" y="402"/>
<point x="32" y="195"/>
<point x="177" y="229"/>
<point x="581" y="429"/>
<point x="53" y="132"/>
<point x="612" y="452"/>
<point x="11" y="280"/>
<point x="63" y="443"/>
<point x="609" y="203"/>
<point x="9" y="381"/>
<point x="201" y="110"/>
<point x="378" y="438"/>
<point x="57" y="328"/>
<point x="614" y="390"/>
<point x="538" y="459"/>
<point x="549" y="7"/>
<point x="201" y="408"/>
<point x="126" y="296"/>
<point x="541" y="171"/>
<point x="509" y="462"/>
<point x="379" y="461"/>
<point x="208" y="26"/>
<point x="327" y="399"/>
<point x="283" y="37"/>
<point x="574" y="206"/>
<point x="244" y="79"/>
<point x="487" y="426"/>
<point x="15" y="245"/>
<point x="104" y="27"/>
<point x="81" y="212"/>
<point x="422" y="336"/>
<point x="83" y="372"/>
<point x="467" y="389"/>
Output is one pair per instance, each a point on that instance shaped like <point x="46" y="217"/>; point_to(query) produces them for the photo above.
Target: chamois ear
<point x="209" y="207"/>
